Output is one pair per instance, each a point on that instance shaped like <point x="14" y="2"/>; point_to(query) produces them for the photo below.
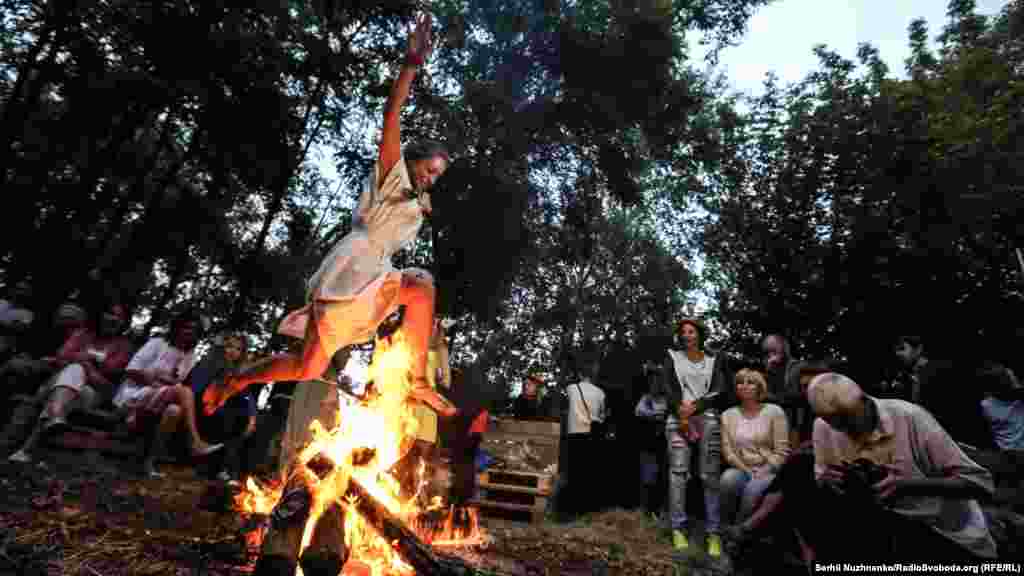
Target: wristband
<point x="414" y="59"/>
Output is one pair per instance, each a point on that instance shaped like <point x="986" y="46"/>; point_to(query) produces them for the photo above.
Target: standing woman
<point x="692" y="374"/>
<point x="356" y="287"/>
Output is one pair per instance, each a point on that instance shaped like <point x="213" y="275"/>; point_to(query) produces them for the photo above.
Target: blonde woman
<point x="755" y="441"/>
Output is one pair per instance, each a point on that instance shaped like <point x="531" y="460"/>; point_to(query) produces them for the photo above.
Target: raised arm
<point x="420" y="46"/>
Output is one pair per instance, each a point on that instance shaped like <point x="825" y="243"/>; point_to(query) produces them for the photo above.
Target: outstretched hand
<point x="421" y="41"/>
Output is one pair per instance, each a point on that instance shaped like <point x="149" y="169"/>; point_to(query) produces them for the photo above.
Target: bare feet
<point x="204" y="449"/>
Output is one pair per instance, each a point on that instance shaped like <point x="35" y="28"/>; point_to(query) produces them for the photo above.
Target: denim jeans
<point x="709" y="448"/>
<point x="740" y="494"/>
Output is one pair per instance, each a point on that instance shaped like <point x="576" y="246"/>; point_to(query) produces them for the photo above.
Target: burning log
<point x="414" y="552"/>
<point x="327" y="552"/>
<point x="283" y="540"/>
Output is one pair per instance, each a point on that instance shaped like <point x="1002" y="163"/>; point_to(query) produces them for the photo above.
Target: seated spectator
<point x="890" y="468"/>
<point x="771" y="517"/>
<point x="15" y="318"/>
<point x="527" y="404"/>
<point x="86" y="368"/>
<point x="26" y="369"/>
<point x="1003" y="406"/>
<point x="235" y="421"/>
<point x="153" y="391"/>
<point x="755" y="442"/>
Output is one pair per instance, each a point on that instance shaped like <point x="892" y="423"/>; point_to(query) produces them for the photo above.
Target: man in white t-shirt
<point x="153" y="397"/>
<point x="586" y="406"/>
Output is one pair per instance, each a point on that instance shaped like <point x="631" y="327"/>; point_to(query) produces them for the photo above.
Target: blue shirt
<point x="1007" y="422"/>
<point x="204" y="373"/>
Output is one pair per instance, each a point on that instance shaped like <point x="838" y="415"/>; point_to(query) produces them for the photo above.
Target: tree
<point x="854" y="207"/>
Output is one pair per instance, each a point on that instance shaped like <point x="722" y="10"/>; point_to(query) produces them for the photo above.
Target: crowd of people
<point x="150" y="386"/>
<point x="772" y="445"/>
<point x="907" y="463"/>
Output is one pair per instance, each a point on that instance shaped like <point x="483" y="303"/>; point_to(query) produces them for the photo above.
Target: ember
<point x="349" y="468"/>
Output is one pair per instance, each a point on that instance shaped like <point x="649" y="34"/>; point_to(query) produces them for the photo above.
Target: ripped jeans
<point x="709" y="464"/>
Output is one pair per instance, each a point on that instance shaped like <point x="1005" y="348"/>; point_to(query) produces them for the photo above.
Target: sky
<point x="780" y="38"/>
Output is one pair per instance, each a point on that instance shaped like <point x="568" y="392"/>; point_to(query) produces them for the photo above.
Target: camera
<point x="862" y="474"/>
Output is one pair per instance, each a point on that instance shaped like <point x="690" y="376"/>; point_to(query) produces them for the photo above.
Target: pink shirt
<point x="910" y="438"/>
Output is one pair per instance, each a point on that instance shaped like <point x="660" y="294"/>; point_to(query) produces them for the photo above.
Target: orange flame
<point x="382" y="426"/>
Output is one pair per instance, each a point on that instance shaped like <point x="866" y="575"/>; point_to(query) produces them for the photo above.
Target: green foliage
<point x="856" y="207"/>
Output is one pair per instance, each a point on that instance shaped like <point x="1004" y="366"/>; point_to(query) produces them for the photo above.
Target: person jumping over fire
<point x="356" y="287"/>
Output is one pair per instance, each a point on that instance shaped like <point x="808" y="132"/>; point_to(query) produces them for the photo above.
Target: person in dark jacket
<point x="468" y="388"/>
<point x="527" y="405"/>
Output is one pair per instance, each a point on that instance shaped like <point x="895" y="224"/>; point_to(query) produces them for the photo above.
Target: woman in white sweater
<point x="755" y="441"/>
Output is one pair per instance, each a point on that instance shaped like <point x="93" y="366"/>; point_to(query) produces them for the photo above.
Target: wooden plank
<point x="526" y="427"/>
<point x="535" y="511"/>
<point x="538" y="480"/>
<point x="503" y="505"/>
<point x="517" y="438"/>
<point x="519" y="489"/>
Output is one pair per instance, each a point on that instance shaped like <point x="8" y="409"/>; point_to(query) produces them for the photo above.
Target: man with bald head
<point x="920" y="502"/>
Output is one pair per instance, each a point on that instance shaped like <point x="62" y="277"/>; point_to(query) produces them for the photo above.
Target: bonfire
<point x="350" y="467"/>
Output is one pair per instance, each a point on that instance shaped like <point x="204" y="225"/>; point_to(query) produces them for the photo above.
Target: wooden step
<point x="536" y="482"/>
<point x="532" y="512"/>
<point x="519" y="489"/>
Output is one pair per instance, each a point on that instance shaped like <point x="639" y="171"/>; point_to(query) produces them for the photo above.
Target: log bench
<point x="98" y="429"/>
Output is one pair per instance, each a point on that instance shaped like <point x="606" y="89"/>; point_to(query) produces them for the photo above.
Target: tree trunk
<point x="245" y="290"/>
<point x="161" y="308"/>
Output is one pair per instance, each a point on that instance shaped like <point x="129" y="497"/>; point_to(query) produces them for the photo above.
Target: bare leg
<point x="57" y="406"/>
<point x="282" y="367"/>
<point x="57" y="400"/>
<point x="169" y="422"/>
<point x="769" y="504"/>
<point x="187" y="403"/>
<point x="417" y="295"/>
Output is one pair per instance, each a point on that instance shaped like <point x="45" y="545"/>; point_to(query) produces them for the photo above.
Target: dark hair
<point x="914" y="341"/>
<point x="426" y="149"/>
<point x="811" y="368"/>
<point x="994" y="377"/>
<point x="787" y="350"/>
<point x="183" y="317"/>
<point x="702" y="331"/>
<point x="587" y="359"/>
<point x="97" y="307"/>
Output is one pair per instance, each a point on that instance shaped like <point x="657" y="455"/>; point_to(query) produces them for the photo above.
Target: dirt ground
<point x="84" y="514"/>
